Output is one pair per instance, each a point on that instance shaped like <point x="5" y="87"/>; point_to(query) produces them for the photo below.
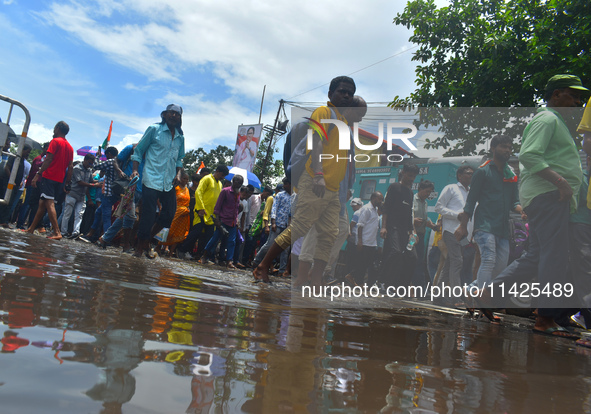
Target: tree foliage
<point x="270" y="169"/>
<point x="483" y="53"/>
<point x="219" y="155"/>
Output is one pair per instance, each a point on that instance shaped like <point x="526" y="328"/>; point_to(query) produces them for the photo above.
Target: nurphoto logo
<point x="345" y="139"/>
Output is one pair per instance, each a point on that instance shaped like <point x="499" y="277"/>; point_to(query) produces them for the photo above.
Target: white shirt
<point x="254" y="205"/>
<point x="369" y="222"/>
<point x="451" y="203"/>
<point x="244" y="204"/>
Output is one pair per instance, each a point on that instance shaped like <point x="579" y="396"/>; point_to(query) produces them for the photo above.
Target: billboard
<point x="247" y="144"/>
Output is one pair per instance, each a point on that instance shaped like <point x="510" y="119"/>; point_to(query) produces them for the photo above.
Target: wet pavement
<point x="86" y="330"/>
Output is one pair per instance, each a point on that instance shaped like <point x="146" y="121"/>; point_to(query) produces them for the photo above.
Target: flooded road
<point x="86" y="330"/>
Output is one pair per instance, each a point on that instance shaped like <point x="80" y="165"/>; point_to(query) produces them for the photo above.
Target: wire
<point x="359" y="70"/>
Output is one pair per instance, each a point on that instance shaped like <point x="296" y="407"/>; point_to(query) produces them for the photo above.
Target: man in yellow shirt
<point x="318" y="189"/>
<point x="206" y="196"/>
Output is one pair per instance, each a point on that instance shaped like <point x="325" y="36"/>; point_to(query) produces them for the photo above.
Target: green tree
<point x="219" y="155"/>
<point x="266" y="166"/>
<point x="483" y="53"/>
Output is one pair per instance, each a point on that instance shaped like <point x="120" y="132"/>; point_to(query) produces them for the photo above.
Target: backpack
<point x="295" y="154"/>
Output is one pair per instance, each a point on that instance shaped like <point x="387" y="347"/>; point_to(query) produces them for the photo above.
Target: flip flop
<point x="557" y="332"/>
<point x="476" y="304"/>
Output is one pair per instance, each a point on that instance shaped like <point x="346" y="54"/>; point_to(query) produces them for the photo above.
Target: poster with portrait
<point x="247" y="145"/>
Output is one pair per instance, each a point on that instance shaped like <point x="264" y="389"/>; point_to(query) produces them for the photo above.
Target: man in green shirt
<point x="494" y="188"/>
<point x="549" y="186"/>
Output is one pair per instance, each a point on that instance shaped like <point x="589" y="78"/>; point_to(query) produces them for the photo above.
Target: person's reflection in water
<point x="121" y="353"/>
<point x="207" y="367"/>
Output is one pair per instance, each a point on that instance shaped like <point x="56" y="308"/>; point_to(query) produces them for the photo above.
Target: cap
<point x="175" y="108"/>
<point x="279" y="187"/>
<point x="565" y="81"/>
<point x="356" y="202"/>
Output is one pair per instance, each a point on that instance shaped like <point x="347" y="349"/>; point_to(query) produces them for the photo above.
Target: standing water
<point x="86" y="330"/>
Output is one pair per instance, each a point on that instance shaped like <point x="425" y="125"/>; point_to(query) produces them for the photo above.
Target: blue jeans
<point x="265" y="248"/>
<point x="126" y="221"/>
<point x="211" y="245"/>
<point x="104" y="213"/>
<point x="494" y="255"/>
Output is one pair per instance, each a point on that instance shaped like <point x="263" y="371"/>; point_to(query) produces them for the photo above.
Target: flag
<point x="200" y="167"/>
<point x="108" y="139"/>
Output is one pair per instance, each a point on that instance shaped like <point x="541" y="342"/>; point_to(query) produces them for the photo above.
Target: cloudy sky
<point x="90" y="62"/>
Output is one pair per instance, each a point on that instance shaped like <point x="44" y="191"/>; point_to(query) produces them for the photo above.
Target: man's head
<point x="267" y="192"/>
<point x="501" y="147"/>
<point x="237" y="182"/>
<point x="426" y="187"/>
<point x="376" y="199"/>
<point x="88" y="160"/>
<point x="341" y="91"/>
<point x="26" y="151"/>
<point x="357" y="110"/>
<point x="464" y="175"/>
<point x="250" y="189"/>
<point x="220" y="172"/>
<point x="111" y="152"/>
<point x="408" y="174"/>
<point x="61" y="129"/>
<point x="278" y="188"/>
<point x="287" y="184"/>
<point x="244" y="193"/>
<point x="204" y="171"/>
<point x="44" y="150"/>
<point x="356" y="203"/>
<point x="172" y="116"/>
<point x="564" y="91"/>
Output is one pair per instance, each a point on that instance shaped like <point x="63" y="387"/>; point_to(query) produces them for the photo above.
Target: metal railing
<point x="21" y="145"/>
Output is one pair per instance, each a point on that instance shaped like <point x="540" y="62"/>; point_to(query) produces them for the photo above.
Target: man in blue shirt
<point x="162" y="148"/>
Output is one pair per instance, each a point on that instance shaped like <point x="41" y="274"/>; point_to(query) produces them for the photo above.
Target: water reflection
<point x="84" y="330"/>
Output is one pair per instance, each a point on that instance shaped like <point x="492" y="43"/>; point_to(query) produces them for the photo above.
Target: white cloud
<point x="213" y="58"/>
<point x="40" y="133"/>
<point x="286" y="45"/>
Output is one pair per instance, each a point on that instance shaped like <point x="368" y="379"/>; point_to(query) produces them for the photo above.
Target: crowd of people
<point x="142" y="194"/>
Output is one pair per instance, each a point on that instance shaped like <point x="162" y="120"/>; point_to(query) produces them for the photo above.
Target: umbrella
<point x="249" y="178"/>
<point x="90" y="150"/>
<point x="12" y="137"/>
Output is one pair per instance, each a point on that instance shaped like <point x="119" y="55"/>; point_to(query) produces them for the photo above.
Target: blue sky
<point x="90" y="62"/>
